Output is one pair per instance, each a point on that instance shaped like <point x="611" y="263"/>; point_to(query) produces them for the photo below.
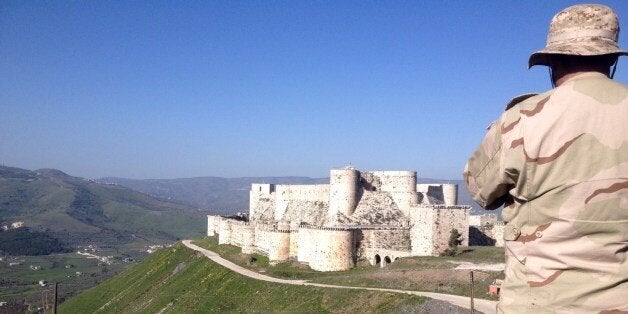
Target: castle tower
<point x="343" y="191"/>
<point x="402" y="187"/>
<point x="257" y="192"/>
<point x="450" y="194"/>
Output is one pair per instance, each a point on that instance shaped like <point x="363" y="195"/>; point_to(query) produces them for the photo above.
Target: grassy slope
<point x="178" y="280"/>
<point x="426" y="273"/>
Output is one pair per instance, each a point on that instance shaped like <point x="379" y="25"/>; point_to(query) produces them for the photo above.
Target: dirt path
<point x="481" y="305"/>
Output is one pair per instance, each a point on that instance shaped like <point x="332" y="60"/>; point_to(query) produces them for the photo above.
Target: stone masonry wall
<point x="343" y="191"/>
<point x="446" y="219"/>
<point x="279" y="248"/>
<point x="333" y="250"/>
<point x="224" y="233"/>
<point x="303" y="193"/>
<point x="294" y="243"/>
<point x="402" y="187"/>
<point x="483" y="220"/>
<point x="212" y="225"/>
<point x="305" y="248"/>
<point x="432" y="226"/>
<point x="422" y="231"/>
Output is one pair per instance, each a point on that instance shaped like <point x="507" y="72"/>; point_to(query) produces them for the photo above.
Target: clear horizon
<point x="165" y="90"/>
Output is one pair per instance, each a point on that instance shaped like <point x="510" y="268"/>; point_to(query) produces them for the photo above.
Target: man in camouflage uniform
<point x="558" y="162"/>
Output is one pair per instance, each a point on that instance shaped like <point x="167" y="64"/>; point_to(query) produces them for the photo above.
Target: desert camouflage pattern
<point x="558" y="162"/>
<point x="584" y="30"/>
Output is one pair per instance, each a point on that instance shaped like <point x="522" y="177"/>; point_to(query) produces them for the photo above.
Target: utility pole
<point x="471" y="288"/>
<point x="54" y="309"/>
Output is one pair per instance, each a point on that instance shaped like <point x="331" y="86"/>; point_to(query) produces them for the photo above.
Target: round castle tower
<point x="450" y="194"/>
<point x="343" y="191"/>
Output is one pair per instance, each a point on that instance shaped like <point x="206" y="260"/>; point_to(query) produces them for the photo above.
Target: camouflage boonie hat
<point x="581" y="30"/>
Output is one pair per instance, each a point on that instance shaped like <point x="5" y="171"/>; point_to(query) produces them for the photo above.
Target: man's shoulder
<point x="525" y="100"/>
<point x="600" y="88"/>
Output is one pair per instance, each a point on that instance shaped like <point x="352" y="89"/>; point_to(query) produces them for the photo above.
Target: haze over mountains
<point x="230" y="195"/>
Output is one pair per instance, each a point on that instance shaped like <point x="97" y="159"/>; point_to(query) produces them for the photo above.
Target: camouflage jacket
<point x="558" y="162"/>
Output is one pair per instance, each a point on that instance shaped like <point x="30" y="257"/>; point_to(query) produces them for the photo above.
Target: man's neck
<point x="567" y="76"/>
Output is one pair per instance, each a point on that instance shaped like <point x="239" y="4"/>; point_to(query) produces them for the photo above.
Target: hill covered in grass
<point x="75" y="211"/>
<point x="179" y="280"/>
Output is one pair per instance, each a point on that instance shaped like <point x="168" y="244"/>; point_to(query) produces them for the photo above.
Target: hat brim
<point x="598" y="47"/>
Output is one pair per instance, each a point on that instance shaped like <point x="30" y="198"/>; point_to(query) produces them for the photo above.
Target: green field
<point x="180" y="280"/>
<point x="20" y="282"/>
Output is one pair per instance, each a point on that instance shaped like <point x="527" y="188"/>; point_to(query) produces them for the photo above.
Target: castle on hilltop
<point x="373" y="217"/>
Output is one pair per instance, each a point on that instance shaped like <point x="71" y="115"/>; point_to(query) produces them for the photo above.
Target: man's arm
<point x="483" y="174"/>
<point x="494" y="169"/>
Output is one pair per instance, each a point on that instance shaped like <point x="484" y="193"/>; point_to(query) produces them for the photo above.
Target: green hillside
<point x="179" y="280"/>
<point x="77" y="211"/>
<point x="51" y="215"/>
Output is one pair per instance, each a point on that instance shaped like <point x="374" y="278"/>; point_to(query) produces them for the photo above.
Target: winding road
<point x="481" y="305"/>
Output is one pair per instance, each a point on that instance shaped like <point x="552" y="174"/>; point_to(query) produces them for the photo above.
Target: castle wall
<point x="294" y="243"/>
<point x="279" y="246"/>
<point x="432" y="226"/>
<point x="483" y="220"/>
<point x="262" y="238"/>
<point x="243" y="235"/>
<point x="487" y="235"/>
<point x="310" y="193"/>
<point x="436" y="192"/>
<point x="448" y="218"/>
<point x="224" y="233"/>
<point x="333" y="249"/>
<point x="343" y="191"/>
<point x="422" y="231"/>
<point x="392" y="243"/>
<point x="402" y="187"/>
<point x="212" y="225"/>
<point x="450" y="194"/>
<point x="305" y="249"/>
<point x="259" y="191"/>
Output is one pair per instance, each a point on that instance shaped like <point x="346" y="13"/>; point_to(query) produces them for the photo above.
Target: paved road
<point x="481" y="305"/>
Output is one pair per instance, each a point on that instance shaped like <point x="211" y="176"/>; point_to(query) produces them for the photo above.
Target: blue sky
<point x="168" y="89"/>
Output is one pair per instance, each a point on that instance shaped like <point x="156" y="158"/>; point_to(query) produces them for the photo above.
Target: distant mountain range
<point x="231" y="195"/>
<point x="77" y="211"/>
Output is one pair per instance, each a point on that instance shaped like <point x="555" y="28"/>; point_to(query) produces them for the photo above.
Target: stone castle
<point x="359" y="217"/>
